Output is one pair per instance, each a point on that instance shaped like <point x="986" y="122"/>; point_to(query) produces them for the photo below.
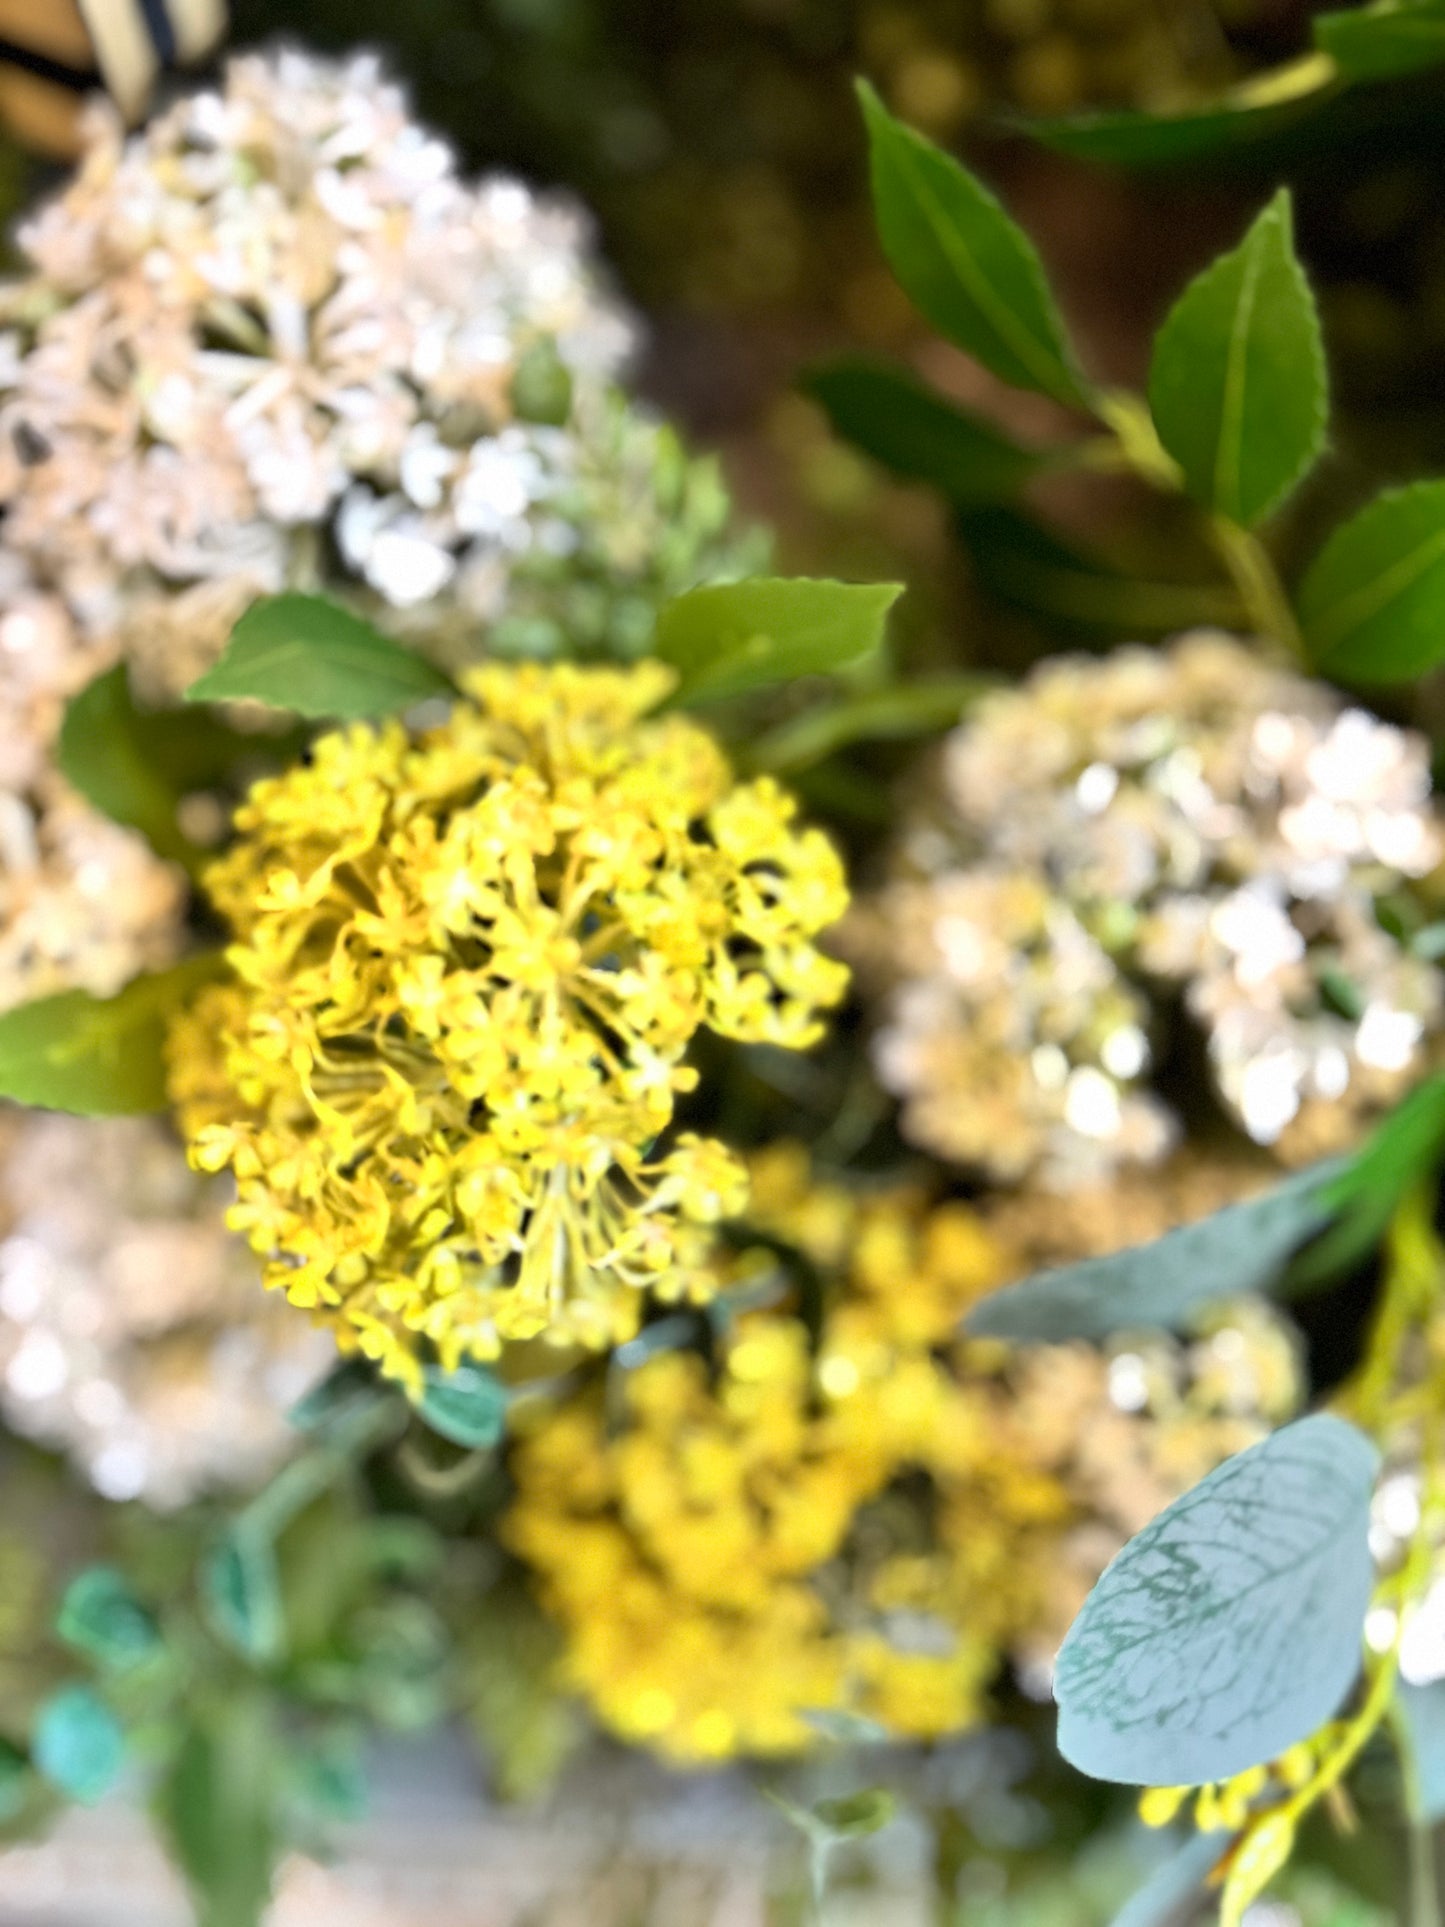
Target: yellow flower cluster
<point x="468" y="965"/>
<point x="745" y="1547"/>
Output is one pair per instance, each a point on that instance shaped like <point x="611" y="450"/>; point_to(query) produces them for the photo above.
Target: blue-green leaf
<point x="918" y="434"/>
<point x="1372" y="604"/>
<point x="1422" y="1713"/>
<point x="467" y="1406"/>
<point x="241" y="1593"/>
<point x="100" y="1615"/>
<point x="1240" y="1249"/>
<point x="314" y="658"/>
<point x="97" y="1056"/>
<point x="969" y="268"/>
<point x="1162" y="1899"/>
<point x="730" y="638"/>
<point x="1230" y="1628"/>
<point x="1237" y="387"/>
<point x="78" y="1744"/>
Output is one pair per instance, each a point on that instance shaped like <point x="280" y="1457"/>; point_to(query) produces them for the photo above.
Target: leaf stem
<point x="1260" y="589"/>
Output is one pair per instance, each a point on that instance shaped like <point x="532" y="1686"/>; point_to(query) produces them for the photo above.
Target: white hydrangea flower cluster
<point x="1189" y="824"/>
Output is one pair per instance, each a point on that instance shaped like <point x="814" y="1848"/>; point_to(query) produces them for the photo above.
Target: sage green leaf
<point x="1027" y="566"/>
<point x="1164" y="1897"/>
<point x="217" y="1804"/>
<point x="240" y="1588"/>
<point x="731" y="638"/>
<point x="467" y="1406"/>
<point x="966" y="266"/>
<point x="1237" y="386"/>
<point x="308" y="655"/>
<point x="101" y="1616"/>
<point x="98" y="1056"/>
<point x="900" y="710"/>
<point x="1230" y="1627"/>
<point x="135" y="765"/>
<point x="918" y="434"/>
<point x="1422" y="1717"/>
<point x="1372" y="604"/>
<point x="1238" y="1250"/>
<point x="341" y="1398"/>
<point x="78" y="1745"/>
<point x="1382" y="42"/>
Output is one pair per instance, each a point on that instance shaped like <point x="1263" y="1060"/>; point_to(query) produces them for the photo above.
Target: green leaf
<point x="1372" y="604"/>
<point x="101" y="1616"/>
<point x="1237" y="387"/>
<point x="1163" y="1899"/>
<point x="854" y="1816"/>
<point x="542" y="385"/>
<point x="1421" y="1712"/>
<point x="1382" y="42"/>
<point x="341" y="1398"/>
<point x="963" y="262"/>
<point x="241" y="1593"/>
<point x="1024" y="564"/>
<point x="918" y="434"/>
<point x="728" y="639"/>
<point x="467" y="1406"/>
<point x="217" y="1804"/>
<point x="97" y="1056"/>
<point x="311" y="656"/>
<point x="1241" y="119"/>
<point x="135" y="765"/>
<point x="901" y="710"/>
<point x="1235" y="1251"/>
<point x="78" y="1744"/>
<point x="1230" y="1627"/>
<point x="1396" y="1155"/>
<point x="15" y="1782"/>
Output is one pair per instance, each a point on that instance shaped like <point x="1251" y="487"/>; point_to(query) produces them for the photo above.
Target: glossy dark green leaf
<point x="918" y="434"/>
<point x="1229" y="1628"/>
<point x="1382" y="42"/>
<point x="97" y="1056"/>
<point x="1238" y="1250"/>
<point x="467" y="1406"/>
<point x="78" y="1745"/>
<point x="1422" y="1715"/>
<point x="899" y="710"/>
<point x="101" y="1616"/>
<point x="1372" y="604"/>
<point x="729" y="639"/>
<point x="1139" y="139"/>
<point x="241" y="1594"/>
<point x="963" y="262"/>
<point x="314" y="658"/>
<point x="1025" y="565"/>
<point x="218" y="1807"/>
<point x="1237" y="386"/>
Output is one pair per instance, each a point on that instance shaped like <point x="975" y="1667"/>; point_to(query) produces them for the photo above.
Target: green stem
<point x="1260" y="588"/>
<point x="1424" y="1877"/>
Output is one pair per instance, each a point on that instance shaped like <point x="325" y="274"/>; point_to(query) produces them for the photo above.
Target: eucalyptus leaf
<point x="97" y="1056"/>
<point x="1372" y="604"/>
<point x="1229" y="1254"/>
<point x="1382" y="42"/>
<point x="918" y="434"/>
<point x="731" y="638"/>
<point x="1230" y="1628"/>
<point x="1237" y="386"/>
<point x="314" y="658"/>
<point x="241" y="1592"/>
<point x="101" y="1616"/>
<point x="78" y="1745"/>
<point x="467" y="1406"/>
<point x="1421" y="1711"/>
<point x="963" y="262"/>
<point x="1165" y="1896"/>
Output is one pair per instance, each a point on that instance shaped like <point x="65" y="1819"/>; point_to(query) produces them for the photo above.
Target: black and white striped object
<point x="55" y="52"/>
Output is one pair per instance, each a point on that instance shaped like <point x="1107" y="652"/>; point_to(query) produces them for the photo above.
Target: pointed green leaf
<point x="966" y="266"/>
<point x="98" y="1056"/>
<point x="1235" y="1251"/>
<point x="1238" y="387"/>
<point x="101" y="1616"/>
<point x="1372" y="605"/>
<point x="731" y="638"/>
<point x="1230" y="1628"/>
<point x="308" y="655"/>
<point x="1246" y="117"/>
<point x="218" y="1804"/>
<point x="918" y="434"/>
<point x="1398" y="1153"/>
<point x="1382" y="42"/>
<point x="467" y="1406"/>
<point x="78" y="1744"/>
